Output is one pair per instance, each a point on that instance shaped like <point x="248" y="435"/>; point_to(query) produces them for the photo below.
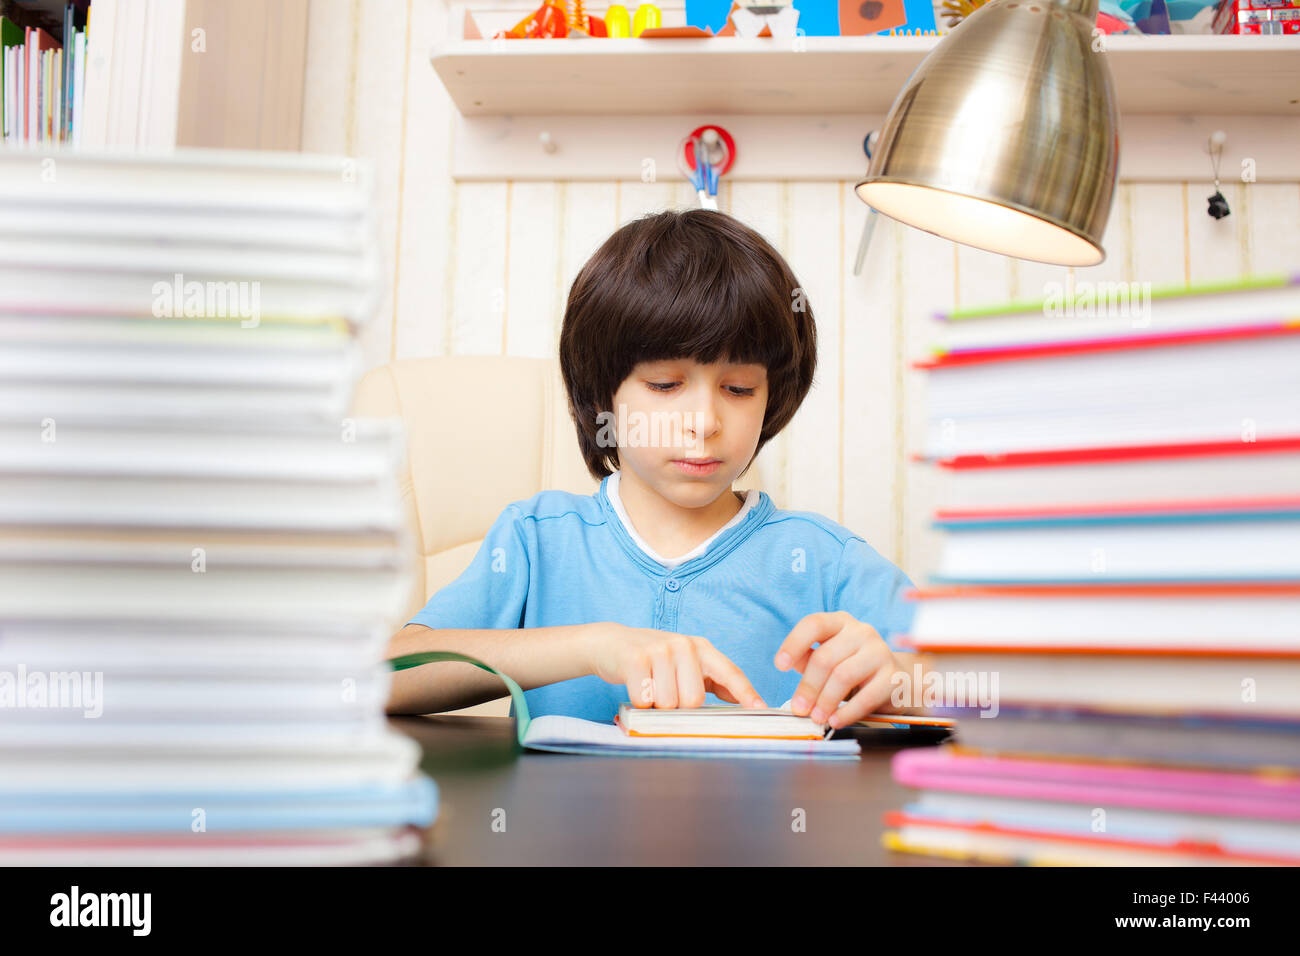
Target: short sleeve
<point x="493" y="591"/>
<point x="871" y="588"/>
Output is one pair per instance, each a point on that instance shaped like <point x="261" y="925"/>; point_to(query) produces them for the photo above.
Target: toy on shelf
<point x="647" y="17"/>
<point x="1191" y="16"/>
<point x="1151" y="17"/>
<point x="772" y="18"/>
<point x="1111" y="16"/>
<point x="1166" y="16"/>
<point x="955" y="11"/>
<point x="618" y="23"/>
<point x="818" y="18"/>
<point x="555" y="19"/>
<point x="1258" y="16"/>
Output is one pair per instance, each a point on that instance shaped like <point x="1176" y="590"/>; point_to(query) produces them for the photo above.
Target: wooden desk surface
<point x="572" y="810"/>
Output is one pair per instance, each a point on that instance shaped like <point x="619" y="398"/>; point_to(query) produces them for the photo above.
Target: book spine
<point x="20" y="94"/>
<point x="65" y="114"/>
<point x="79" y="88"/>
<point x="42" y="93"/>
<point x="56" y="113"/>
<point x="29" y="89"/>
<point x="9" y="85"/>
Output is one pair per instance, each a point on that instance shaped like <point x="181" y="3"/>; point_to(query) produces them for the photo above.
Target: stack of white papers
<point x="575" y="735"/>
<point x="201" y="554"/>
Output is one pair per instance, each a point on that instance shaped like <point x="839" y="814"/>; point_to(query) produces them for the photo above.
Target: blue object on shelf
<point x="920" y="16"/>
<point x="817" y="18"/>
<point x="1152" y="17"/>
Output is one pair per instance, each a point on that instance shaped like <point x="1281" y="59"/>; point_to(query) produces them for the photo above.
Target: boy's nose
<point x="704" y="421"/>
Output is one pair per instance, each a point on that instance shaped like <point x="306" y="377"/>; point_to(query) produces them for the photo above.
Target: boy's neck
<point x="668" y="528"/>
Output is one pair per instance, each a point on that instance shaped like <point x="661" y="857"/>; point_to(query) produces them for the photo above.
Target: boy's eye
<point x="666" y="386"/>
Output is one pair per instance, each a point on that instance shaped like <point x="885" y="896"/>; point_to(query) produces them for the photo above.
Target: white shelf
<point x="1228" y="75"/>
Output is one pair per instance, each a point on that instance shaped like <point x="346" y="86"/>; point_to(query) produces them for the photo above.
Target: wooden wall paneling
<point x="477" y="310"/>
<point x="1272" y="216"/>
<point x="979" y="277"/>
<point x="872" y="437"/>
<point x="533" y="256"/>
<point x="1159" y="233"/>
<point x="423" y="236"/>
<point x="763" y="207"/>
<point x="590" y="214"/>
<point x="926" y="287"/>
<point x="816" y="254"/>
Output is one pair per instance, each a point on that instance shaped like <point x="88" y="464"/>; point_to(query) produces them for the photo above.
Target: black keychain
<point x="1218" y="205"/>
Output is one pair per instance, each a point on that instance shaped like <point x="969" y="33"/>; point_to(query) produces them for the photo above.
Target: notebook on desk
<point x="715" y="730"/>
<point x="561" y="734"/>
<point x="779" y="732"/>
<point x="732" y="721"/>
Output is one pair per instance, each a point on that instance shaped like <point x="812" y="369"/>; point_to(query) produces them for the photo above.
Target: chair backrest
<point x="481" y="432"/>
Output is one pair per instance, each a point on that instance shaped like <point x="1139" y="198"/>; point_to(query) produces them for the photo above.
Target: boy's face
<point x="688" y="430"/>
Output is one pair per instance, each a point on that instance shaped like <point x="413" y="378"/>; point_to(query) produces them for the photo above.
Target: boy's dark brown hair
<point x="683" y="284"/>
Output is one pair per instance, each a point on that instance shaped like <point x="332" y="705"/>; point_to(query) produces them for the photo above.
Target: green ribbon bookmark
<point x="516" y="692"/>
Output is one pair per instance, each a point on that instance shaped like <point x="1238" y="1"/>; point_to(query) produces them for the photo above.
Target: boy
<point x="686" y="346"/>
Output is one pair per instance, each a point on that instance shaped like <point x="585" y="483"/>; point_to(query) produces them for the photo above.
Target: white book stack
<point x="201" y="554"/>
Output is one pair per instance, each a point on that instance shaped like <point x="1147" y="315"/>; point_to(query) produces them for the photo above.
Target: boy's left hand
<point x="851" y="656"/>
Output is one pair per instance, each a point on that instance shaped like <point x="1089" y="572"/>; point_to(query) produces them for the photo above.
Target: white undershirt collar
<point x="611" y="490"/>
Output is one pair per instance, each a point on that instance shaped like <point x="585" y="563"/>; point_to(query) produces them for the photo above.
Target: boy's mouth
<point x="698" y="466"/>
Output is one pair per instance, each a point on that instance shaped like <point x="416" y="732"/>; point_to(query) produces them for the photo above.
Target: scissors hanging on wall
<point x="703" y="156"/>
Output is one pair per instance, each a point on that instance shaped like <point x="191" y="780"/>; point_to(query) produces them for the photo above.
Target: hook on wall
<point x="1218" y="205"/>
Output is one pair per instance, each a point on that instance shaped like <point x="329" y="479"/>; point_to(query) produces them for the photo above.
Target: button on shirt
<point x="559" y="559"/>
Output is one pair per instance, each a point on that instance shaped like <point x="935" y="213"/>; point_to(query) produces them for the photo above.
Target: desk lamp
<point x="1005" y="137"/>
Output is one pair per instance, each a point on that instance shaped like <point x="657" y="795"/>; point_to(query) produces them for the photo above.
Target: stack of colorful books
<point x="1115" y="619"/>
<point x="42" y="80"/>
<point x="202" y="556"/>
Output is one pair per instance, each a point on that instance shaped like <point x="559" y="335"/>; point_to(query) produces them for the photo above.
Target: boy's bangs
<point x="701" y="324"/>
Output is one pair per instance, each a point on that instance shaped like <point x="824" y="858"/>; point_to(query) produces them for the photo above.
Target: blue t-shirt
<point x="558" y="558"/>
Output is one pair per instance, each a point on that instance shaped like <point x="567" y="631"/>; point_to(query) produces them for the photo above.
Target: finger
<point x="665" y="672"/>
<point x="801" y="662"/>
<point x="866" y="701"/>
<point x="690" y="676"/>
<point x="640" y="686"/>
<point x="717" y="690"/>
<point x="824" y="660"/>
<point x="853" y="671"/>
<point x="722" y="670"/>
<point x="810" y="630"/>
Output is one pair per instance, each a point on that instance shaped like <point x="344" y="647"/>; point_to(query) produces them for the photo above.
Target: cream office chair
<point x="481" y="432"/>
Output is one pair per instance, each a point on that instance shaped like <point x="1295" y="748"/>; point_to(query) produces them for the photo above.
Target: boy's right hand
<point x="666" y="670"/>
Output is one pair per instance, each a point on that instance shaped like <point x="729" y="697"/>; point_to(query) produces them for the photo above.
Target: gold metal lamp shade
<point x="1005" y="137"/>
